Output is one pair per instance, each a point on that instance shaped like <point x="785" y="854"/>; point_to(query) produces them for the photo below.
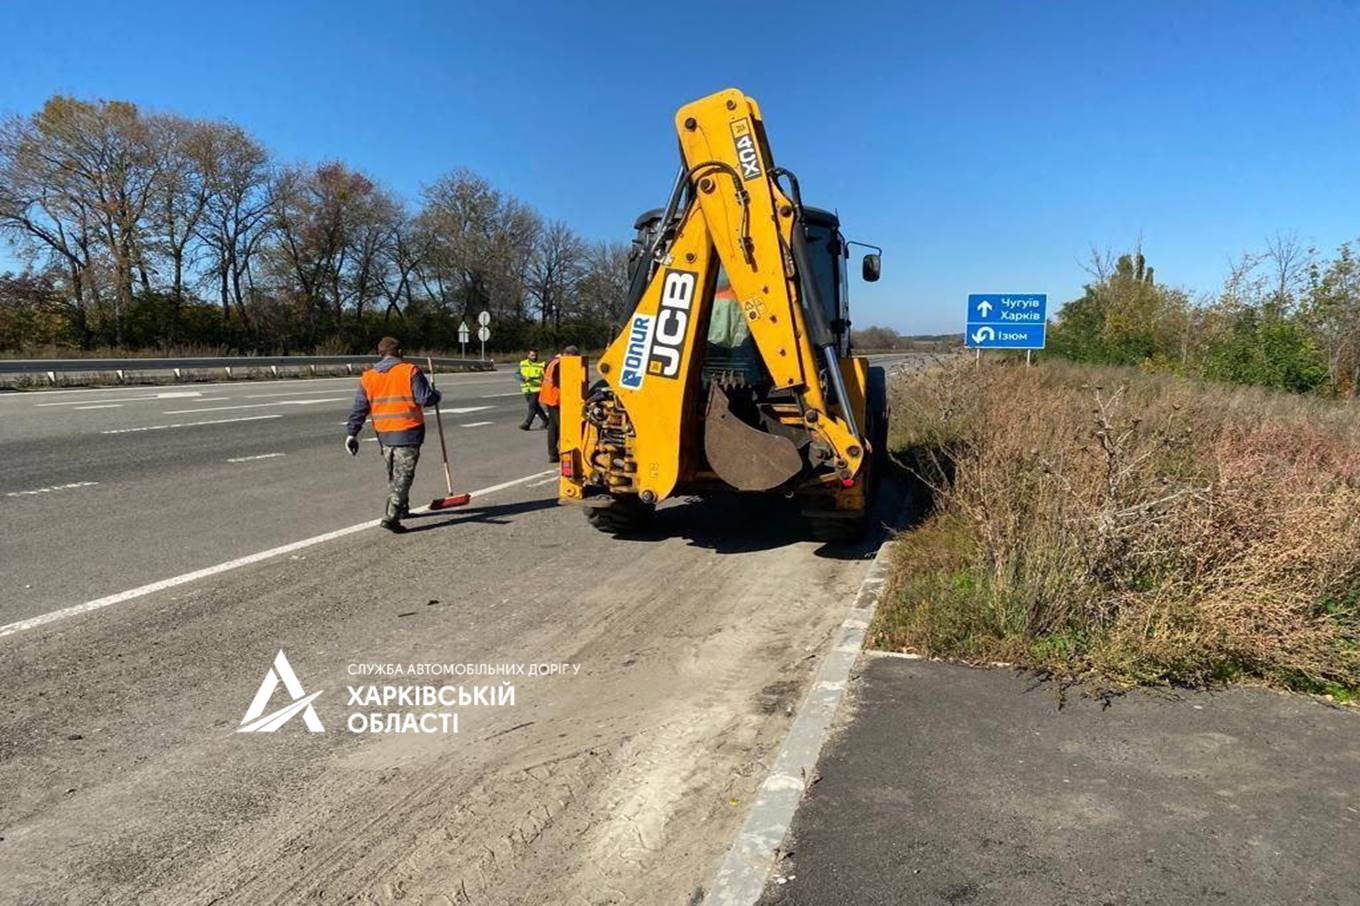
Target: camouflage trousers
<point x="401" y="471"/>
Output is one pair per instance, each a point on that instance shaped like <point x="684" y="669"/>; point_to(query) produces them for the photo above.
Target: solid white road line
<point x="197" y="574"/>
<point x="463" y="410"/>
<point x="218" y="421"/>
<point x="100" y="406"/>
<point x="55" y="487"/>
<point x="455" y="376"/>
<point x="253" y="458"/>
<point x="476" y="424"/>
<point x="492" y="396"/>
<point x="549" y="480"/>
<point x="176" y="394"/>
<point x="334" y="399"/>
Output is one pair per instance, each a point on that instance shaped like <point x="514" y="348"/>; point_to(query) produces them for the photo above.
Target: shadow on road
<point x="733" y="524"/>
<point x="494" y="515"/>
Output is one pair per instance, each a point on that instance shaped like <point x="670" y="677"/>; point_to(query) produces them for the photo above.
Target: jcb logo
<point x="672" y="323"/>
<point x="747" y="154"/>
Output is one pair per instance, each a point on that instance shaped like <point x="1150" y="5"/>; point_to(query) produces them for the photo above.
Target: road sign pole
<point x="1027" y="355"/>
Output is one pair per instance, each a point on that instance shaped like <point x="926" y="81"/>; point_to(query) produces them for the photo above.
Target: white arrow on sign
<point x="983" y="334"/>
<point x="984" y="308"/>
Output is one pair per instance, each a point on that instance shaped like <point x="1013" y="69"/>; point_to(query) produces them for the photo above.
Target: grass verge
<point x="1129" y="529"/>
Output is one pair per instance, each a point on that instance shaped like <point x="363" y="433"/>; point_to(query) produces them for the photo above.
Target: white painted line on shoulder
<point x="217" y="421"/>
<point x="475" y="424"/>
<point x="333" y="399"/>
<point x="255" y="457"/>
<point x="184" y="579"/>
<point x="100" y="406"/>
<point x="746" y="868"/>
<point x="55" y="487"/>
<point x="549" y="480"/>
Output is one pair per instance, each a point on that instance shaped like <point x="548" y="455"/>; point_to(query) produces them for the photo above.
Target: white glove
<point x="352" y="445"/>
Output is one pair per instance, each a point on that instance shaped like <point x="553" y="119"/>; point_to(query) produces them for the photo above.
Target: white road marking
<point x="197" y="574"/>
<point x="254" y="458"/>
<point x="464" y="410"/>
<point x="458" y="377"/>
<point x="475" y="424"/>
<point x="334" y="399"/>
<point x="55" y="487"/>
<point x="492" y="396"/>
<point x="265" y="396"/>
<point x="100" y="406"/>
<point x="549" y="480"/>
<point x="219" y="421"/>
<point x="183" y="394"/>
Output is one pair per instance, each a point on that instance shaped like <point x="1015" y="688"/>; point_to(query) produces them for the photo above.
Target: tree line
<point x="141" y="230"/>
<point x="1286" y="317"/>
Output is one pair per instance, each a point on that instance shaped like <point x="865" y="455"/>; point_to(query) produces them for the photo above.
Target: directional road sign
<point x="484" y="318"/>
<point x="463" y="332"/>
<point x="1006" y="321"/>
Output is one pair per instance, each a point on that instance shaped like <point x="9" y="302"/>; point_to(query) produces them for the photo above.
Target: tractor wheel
<point x="623" y="515"/>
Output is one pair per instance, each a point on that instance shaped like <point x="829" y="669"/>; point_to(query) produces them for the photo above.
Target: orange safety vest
<point x="550" y="394"/>
<point x="390" y="401"/>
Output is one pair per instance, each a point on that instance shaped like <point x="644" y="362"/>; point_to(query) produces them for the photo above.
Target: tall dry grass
<point x="1132" y="528"/>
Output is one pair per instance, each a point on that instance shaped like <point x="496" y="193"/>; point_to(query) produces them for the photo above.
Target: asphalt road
<point x="949" y="784"/>
<point x="107" y="490"/>
<point x="123" y="778"/>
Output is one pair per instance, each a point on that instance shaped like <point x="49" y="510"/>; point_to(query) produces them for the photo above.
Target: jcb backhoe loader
<point x="733" y="371"/>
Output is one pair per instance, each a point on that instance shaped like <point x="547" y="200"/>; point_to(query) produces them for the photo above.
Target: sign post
<point x="1006" y="321"/>
<point x="463" y="337"/>
<point x="484" y="331"/>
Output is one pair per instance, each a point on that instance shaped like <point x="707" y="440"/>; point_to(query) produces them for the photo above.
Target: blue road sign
<point x="1006" y="321"/>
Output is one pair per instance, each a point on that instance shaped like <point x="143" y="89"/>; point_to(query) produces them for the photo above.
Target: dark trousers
<point x="554" y="430"/>
<point x="535" y="409"/>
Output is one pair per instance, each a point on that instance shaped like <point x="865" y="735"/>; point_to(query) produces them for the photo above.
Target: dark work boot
<point x="393" y="525"/>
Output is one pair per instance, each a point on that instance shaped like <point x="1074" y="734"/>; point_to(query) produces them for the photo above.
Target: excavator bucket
<point x="745" y="457"/>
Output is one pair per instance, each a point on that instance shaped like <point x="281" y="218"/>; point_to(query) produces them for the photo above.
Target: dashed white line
<point x="334" y="399"/>
<point x="255" y="457"/>
<point x="464" y="410"/>
<point x="197" y="574"/>
<point x="100" y="406"/>
<point x="55" y="487"/>
<point x="492" y="396"/>
<point x="475" y="424"/>
<point x="217" y="421"/>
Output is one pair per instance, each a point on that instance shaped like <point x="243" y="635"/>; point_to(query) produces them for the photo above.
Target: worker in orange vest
<point x="395" y="394"/>
<point x="550" y="396"/>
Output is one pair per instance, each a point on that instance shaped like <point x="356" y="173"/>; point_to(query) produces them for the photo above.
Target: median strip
<point x="184" y="579"/>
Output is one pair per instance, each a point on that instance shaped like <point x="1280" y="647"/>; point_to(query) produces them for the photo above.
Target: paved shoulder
<point x="954" y="785"/>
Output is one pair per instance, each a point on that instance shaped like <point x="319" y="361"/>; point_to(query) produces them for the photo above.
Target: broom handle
<point x="439" y="421"/>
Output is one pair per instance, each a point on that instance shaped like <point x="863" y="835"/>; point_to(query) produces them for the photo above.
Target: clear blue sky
<point x="986" y="146"/>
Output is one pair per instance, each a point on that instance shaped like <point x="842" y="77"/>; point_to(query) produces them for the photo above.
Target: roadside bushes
<point x="1129" y="528"/>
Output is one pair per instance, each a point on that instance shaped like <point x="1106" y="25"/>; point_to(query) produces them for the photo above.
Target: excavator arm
<point x="643" y="434"/>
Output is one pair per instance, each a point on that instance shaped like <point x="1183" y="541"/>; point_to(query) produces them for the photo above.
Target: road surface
<point x="161" y="545"/>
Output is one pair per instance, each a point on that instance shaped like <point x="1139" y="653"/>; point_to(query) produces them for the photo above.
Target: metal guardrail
<point x="200" y="363"/>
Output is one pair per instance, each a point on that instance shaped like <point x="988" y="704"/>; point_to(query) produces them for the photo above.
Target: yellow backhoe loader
<point x="733" y="371"/>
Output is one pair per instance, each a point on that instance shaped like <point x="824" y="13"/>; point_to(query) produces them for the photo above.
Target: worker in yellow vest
<point x="395" y="393"/>
<point x="530" y="377"/>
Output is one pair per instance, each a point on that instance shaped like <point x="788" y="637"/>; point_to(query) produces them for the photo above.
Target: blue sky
<point x="986" y="146"/>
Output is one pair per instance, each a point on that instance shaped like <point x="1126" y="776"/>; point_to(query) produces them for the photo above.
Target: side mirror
<point x="873" y="267"/>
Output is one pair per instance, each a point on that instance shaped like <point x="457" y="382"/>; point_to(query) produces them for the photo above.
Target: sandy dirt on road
<point x="623" y="784"/>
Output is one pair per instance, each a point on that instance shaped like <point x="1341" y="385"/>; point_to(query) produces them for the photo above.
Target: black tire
<point x="876" y="414"/>
<point x="624" y="515"/>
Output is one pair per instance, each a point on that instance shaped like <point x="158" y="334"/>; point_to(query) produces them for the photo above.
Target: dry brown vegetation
<point x="1108" y="524"/>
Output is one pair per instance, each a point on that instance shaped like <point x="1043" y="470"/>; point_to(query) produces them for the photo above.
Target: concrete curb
<point x="746" y="868"/>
